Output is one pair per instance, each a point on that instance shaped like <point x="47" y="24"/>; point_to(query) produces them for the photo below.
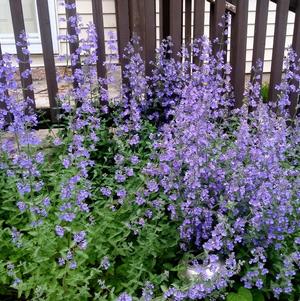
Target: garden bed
<point x="167" y="192"/>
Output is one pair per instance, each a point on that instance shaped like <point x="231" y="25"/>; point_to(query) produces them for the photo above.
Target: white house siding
<point x="250" y="32"/>
<point x="84" y="8"/>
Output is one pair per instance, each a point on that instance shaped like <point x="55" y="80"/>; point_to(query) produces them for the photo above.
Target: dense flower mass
<point x="163" y="192"/>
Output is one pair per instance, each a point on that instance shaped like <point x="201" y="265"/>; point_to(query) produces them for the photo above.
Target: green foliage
<point x="136" y="254"/>
<point x="242" y="294"/>
<point x="265" y="92"/>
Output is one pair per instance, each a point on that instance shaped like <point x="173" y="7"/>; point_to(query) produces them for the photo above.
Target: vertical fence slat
<point x="137" y="19"/>
<point x="296" y="46"/>
<point x="199" y="12"/>
<point x="211" y="17"/>
<point x="19" y="27"/>
<point x="188" y="21"/>
<point x="176" y="25"/>
<point x="164" y="18"/>
<point x="238" y="49"/>
<point x="97" y="11"/>
<point x="122" y="15"/>
<point x="98" y="21"/>
<point x="261" y="18"/>
<point x="150" y="33"/>
<point x="46" y="39"/>
<point x="217" y="30"/>
<point x="71" y="14"/>
<point x="278" y="46"/>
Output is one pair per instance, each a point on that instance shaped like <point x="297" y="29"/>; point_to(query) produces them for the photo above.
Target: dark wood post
<point x="24" y="65"/>
<point x="238" y="49"/>
<point x="261" y="17"/>
<point x="278" y="47"/>
<point x="123" y="28"/>
<point x="71" y="15"/>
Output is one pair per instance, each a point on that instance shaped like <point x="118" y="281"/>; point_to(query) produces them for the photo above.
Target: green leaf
<point x="233" y="297"/>
<point x="245" y="294"/>
<point x="258" y="296"/>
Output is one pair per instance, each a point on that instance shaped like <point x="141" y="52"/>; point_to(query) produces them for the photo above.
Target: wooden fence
<point x="139" y="16"/>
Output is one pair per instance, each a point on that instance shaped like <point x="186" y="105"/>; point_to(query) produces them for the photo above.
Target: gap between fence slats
<point x="278" y="47"/>
<point x="296" y="47"/>
<point x="24" y="65"/>
<point x="48" y="55"/>
<point x="238" y="49"/>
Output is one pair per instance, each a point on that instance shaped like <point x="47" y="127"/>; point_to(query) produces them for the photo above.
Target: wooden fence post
<point x="278" y="46"/>
<point x="97" y="10"/>
<point x="123" y="28"/>
<point x="199" y="12"/>
<point x="238" y="49"/>
<point x="142" y="23"/>
<point x="188" y="23"/>
<point x="98" y="21"/>
<point x="71" y="15"/>
<point x="176" y="26"/>
<point x="24" y="65"/>
<point x="215" y="22"/>
<point x="164" y="17"/>
<point x="261" y="17"/>
<point x="150" y="33"/>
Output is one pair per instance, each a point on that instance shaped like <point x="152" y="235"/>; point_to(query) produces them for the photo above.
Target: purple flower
<point x="121" y="193"/>
<point x="46" y="202"/>
<point x="22" y="206"/>
<point x="134" y="140"/>
<point x="120" y="177"/>
<point x="134" y="160"/>
<point x="59" y="231"/>
<point x="140" y="201"/>
<point x="106" y="191"/>
<point x="105" y="264"/>
<point x="39" y="158"/>
<point x="73" y="265"/>
<point x="68" y="217"/>
<point x="124" y="297"/>
<point x="119" y="159"/>
<point x="61" y="261"/>
<point x="69" y="255"/>
<point x="152" y="186"/>
<point x="79" y="236"/>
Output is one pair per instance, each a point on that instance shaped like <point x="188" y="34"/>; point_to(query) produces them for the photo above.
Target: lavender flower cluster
<point x="181" y="160"/>
<point x="234" y="186"/>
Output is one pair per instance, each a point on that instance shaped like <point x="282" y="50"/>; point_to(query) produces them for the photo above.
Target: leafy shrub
<point x="164" y="192"/>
